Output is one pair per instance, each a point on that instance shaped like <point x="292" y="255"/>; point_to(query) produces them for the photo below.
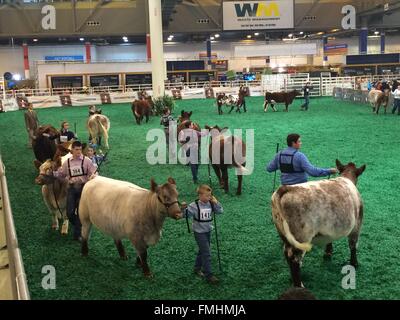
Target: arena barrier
<point x="321" y="86"/>
<point x="19" y="286"/>
<point x="352" y="95"/>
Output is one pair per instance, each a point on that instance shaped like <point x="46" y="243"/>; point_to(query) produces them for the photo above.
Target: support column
<point x="158" y="73"/>
<point x="88" y="52"/>
<point x="383" y="42"/>
<point x="325" y="42"/>
<point x="363" y="41"/>
<point x="26" y="60"/>
<point x="208" y="43"/>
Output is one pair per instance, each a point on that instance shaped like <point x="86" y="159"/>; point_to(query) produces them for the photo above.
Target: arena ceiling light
<point x="248" y="36"/>
<point x="35" y="40"/>
<point x="124" y="38"/>
<point x="212" y="38"/>
<point x="81" y="39"/>
<point x="290" y="35"/>
<point x="256" y="33"/>
<point x="301" y="33"/>
<point x="216" y="35"/>
<point x="376" y="33"/>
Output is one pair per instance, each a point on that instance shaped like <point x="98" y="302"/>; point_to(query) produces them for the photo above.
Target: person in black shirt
<point x="307" y="88"/>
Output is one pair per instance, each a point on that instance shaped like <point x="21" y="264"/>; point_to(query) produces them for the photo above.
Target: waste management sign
<point x="251" y="15"/>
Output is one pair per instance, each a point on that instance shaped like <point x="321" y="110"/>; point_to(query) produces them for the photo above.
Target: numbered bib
<point x="63" y="138"/>
<point x="76" y="171"/>
<point x="205" y="214"/>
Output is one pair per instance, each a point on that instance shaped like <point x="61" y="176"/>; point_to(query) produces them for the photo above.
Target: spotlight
<point x="212" y="38"/>
<point x="256" y="33"/>
<point x="16" y="77"/>
<point x="249" y="36"/>
<point x="216" y="35"/>
<point x="35" y="40"/>
<point x="81" y="39"/>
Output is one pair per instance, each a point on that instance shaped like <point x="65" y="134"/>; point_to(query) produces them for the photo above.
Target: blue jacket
<point x="302" y="166"/>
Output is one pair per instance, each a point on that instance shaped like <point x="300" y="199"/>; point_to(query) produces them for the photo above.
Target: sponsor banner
<point x="9" y="105"/>
<point x="126" y="97"/>
<point x="84" y="100"/>
<point x="209" y="93"/>
<point x="63" y="58"/>
<point x="192" y="93"/>
<point x="253" y="15"/>
<point x="105" y="98"/>
<point x="226" y="90"/>
<point x="45" y="101"/>
<point x="335" y="49"/>
<point x="256" y="91"/>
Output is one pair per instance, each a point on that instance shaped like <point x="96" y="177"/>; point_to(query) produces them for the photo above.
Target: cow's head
<point x="185" y="115"/>
<point x="217" y="128"/>
<point x="167" y="195"/>
<point x="48" y="129"/>
<point x="296" y="92"/>
<point x="45" y="173"/>
<point x="350" y="170"/>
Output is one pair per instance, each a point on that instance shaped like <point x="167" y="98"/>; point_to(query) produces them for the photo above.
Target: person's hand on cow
<point x="183" y="205"/>
<point x="334" y="170"/>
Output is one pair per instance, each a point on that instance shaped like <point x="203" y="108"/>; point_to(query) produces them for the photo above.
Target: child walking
<point x="202" y="211"/>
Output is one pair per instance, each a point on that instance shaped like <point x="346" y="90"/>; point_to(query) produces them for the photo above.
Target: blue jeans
<point x="194" y="167"/>
<point x="73" y="198"/>
<point x="306" y="102"/>
<point x="396" y="106"/>
<point x="203" y="259"/>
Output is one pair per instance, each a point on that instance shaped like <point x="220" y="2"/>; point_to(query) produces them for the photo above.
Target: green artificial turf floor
<point x="252" y="259"/>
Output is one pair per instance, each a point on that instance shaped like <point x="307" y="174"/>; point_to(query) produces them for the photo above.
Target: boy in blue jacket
<point x="202" y="211"/>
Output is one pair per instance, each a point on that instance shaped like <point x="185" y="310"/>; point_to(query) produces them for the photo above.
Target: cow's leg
<point x="147" y="117"/>
<point x="141" y="250"/>
<point x="86" y="227"/>
<point x="353" y="239"/>
<point x="218" y="174"/>
<point x="273" y="107"/>
<point x="244" y="106"/>
<point x="224" y="170"/>
<point x="377" y="109"/>
<point x="99" y="140"/>
<point x="328" y="251"/>
<point x="121" y="249"/>
<point x="239" y="189"/>
<point x="232" y="107"/>
<point x="265" y="106"/>
<point x="64" y="228"/>
<point x="54" y="217"/>
<point x="293" y="257"/>
<point x="286" y="107"/>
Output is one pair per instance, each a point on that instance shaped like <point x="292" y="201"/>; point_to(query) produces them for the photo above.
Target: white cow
<point x="124" y="210"/>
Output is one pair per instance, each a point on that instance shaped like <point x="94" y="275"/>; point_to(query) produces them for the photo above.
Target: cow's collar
<point x="166" y="204"/>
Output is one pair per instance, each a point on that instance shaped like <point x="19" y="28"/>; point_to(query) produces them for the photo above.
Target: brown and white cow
<point x="54" y="191"/>
<point x="318" y="212"/>
<point x="377" y="98"/>
<point x="98" y="126"/>
<point x="129" y="211"/>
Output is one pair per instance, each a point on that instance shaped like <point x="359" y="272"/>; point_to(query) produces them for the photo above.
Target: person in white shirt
<point x="396" y="104"/>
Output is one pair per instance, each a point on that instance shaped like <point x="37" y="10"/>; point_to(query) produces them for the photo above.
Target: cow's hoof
<point x="328" y="256"/>
<point x="125" y="257"/>
<point x="54" y="227"/>
<point x="238" y="193"/>
<point x="84" y="254"/>
<point x="148" y="275"/>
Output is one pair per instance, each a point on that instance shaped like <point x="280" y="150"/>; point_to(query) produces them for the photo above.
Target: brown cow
<point x="235" y="149"/>
<point x="44" y="146"/>
<point x="280" y="97"/>
<point x="54" y="191"/>
<point x="318" y="212"/>
<point x="140" y="109"/>
<point x="184" y="116"/>
<point x="378" y="98"/>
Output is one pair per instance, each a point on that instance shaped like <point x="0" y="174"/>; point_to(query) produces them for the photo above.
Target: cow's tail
<point x="284" y="228"/>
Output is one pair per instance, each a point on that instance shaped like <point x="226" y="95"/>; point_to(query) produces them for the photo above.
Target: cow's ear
<point x="153" y="185"/>
<point x="207" y="127"/>
<point x="339" y="165"/>
<point x="190" y="113"/>
<point x="360" y="170"/>
<point x="171" y="180"/>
